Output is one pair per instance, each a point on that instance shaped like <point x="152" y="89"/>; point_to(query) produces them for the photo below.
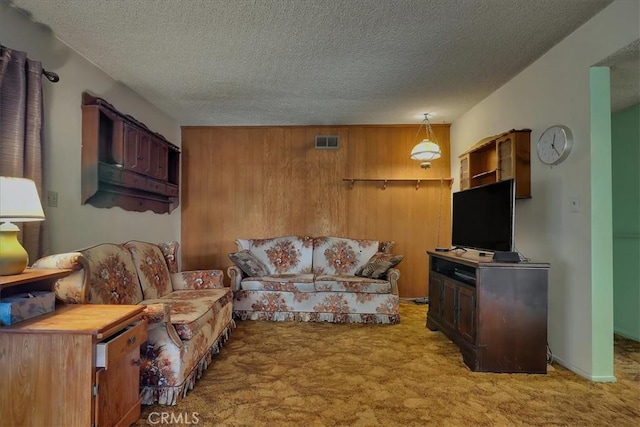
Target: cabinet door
<point x="467" y="313"/>
<point x="435" y="295"/>
<point x="131" y="141"/>
<point x="118" y="380"/>
<point x="465" y="182"/>
<point x="506" y="163"/>
<point x="144" y="154"/>
<point x="449" y="291"/>
<point x="118" y="401"/>
<point x="159" y="160"/>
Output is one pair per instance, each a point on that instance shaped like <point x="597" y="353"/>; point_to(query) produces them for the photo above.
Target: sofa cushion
<point x="279" y="282"/>
<point x="337" y="255"/>
<point x="111" y="275"/>
<point x="347" y="283"/>
<point x="249" y="263"/>
<point x="282" y="255"/>
<point x="378" y="265"/>
<point x="190" y="310"/>
<point x="152" y="268"/>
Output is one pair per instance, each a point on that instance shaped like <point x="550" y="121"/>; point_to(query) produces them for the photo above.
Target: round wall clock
<point x="554" y="145"/>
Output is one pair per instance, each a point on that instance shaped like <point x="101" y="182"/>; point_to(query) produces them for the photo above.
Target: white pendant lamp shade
<point x="425" y="151"/>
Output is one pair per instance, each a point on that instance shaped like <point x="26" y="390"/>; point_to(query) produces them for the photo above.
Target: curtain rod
<point x="51" y="76"/>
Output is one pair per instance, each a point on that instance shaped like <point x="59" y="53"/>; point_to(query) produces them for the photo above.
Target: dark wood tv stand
<point x="496" y="313"/>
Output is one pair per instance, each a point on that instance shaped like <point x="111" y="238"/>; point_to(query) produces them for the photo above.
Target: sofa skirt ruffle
<point x="281" y="316"/>
<point x="171" y="394"/>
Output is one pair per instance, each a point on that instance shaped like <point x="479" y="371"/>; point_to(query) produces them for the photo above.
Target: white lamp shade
<point x="425" y="151"/>
<point x="19" y="200"/>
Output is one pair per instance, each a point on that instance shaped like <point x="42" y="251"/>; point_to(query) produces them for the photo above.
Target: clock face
<point x="555" y="145"/>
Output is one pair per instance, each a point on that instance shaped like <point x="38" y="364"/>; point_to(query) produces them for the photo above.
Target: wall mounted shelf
<point x="124" y="163"/>
<point x="385" y="181"/>
<point x="497" y="158"/>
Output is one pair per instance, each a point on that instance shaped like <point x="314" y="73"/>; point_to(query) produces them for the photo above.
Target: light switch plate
<point x="574" y="203"/>
<point x="52" y="199"/>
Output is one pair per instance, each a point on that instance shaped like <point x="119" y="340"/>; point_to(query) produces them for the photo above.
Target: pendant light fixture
<point x="427" y="149"/>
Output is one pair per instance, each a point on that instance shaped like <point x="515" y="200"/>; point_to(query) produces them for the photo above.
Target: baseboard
<point x="626" y="335"/>
<point x="583" y="374"/>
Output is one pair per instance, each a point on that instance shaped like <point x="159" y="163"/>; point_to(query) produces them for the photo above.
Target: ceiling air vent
<point x="327" y="142"/>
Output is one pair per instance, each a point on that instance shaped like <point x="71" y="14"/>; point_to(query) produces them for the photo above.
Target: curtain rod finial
<point x="51" y="76"/>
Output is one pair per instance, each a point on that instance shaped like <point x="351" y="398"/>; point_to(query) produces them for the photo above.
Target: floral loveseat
<point x="315" y="279"/>
<point x="189" y="313"/>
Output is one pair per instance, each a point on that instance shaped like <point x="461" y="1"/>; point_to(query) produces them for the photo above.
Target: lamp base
<point x="13" y="257"/>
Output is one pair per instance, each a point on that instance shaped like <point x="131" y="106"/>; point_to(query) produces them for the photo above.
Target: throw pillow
<point x="386" y="246"/>
<point x="378" y="265"/>
<point x="249" y="263"/>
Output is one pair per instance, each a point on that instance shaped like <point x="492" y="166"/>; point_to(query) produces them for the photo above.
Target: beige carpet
<point x="310" y="374"/>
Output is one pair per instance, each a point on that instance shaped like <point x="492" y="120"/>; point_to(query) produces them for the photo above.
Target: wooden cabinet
<point x="498" y="158"/>
<point x="496" y="313"/>
<point x="124" y="163"/>
<point x="77" y="366"/>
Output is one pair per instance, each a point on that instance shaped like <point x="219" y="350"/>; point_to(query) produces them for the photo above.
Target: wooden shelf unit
<point x="124" y="163"/>
<point x="498" y="158"/>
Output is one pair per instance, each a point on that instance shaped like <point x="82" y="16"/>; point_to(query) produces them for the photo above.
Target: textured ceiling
<point x="290" y="62"/>
<point x="625" y="76"/>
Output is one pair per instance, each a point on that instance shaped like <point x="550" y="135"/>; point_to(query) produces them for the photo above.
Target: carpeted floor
<point x="311" y="374"/>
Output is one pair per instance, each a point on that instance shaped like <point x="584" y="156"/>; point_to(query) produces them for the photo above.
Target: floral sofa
<point x="314" y="279"/>
<point x="189" y="313"/>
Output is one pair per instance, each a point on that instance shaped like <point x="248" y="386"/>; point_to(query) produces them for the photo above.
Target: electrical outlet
<point x="52" y="199"/>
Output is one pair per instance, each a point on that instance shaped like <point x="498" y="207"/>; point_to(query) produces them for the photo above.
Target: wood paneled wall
<point x="259" y="182"/>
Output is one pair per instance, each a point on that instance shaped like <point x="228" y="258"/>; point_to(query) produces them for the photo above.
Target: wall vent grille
<point x="327" y="142"/>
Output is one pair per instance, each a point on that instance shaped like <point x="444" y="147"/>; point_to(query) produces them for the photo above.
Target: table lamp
<point x="19" y="202"/>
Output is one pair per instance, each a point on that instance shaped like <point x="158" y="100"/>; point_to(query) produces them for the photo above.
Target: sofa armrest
<point x="393" y="274"/>
<point x="235" y="276"/>
<point x="158" y="320"/>
<point x="72" y="288"/>
<point x="69" y="260"/>
<point x="156" y="313"/>
<point x="197" y="279"/>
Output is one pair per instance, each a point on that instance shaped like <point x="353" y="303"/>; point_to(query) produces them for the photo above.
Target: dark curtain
<point x="21" y="128"/>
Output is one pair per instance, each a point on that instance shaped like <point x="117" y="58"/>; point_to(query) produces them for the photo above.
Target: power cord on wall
<point x="439" y="213"/>
<point x="549" y="355"/>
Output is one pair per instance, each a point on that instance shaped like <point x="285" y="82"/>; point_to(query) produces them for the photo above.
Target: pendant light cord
<point x="427" y="127"/>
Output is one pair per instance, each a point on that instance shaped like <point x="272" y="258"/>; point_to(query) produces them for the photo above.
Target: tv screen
<point x="484" y="217"/>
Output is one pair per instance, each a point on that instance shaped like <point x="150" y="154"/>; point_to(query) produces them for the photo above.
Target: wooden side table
<point x="79" y="365"/>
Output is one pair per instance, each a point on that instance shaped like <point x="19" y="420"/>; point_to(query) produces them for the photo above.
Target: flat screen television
<point x="484" y="217"/>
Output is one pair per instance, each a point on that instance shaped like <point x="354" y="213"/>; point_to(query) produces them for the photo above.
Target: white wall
<point x="71" y="225"/>
<point x="555" y="90"/>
